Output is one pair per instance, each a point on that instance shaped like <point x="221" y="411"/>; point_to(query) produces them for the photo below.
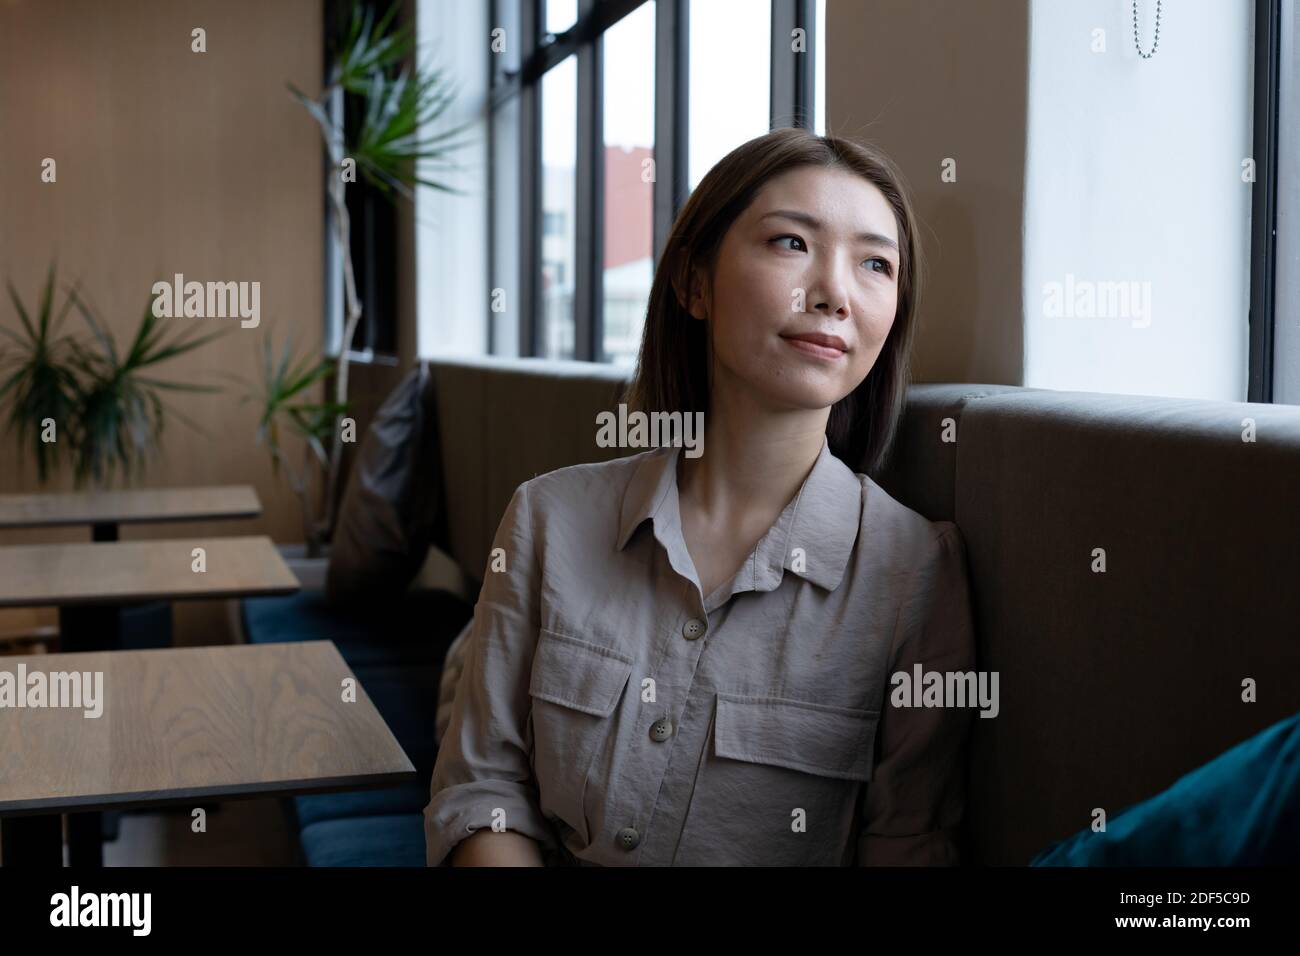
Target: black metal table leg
<point x="32" y="841"/>
<point x="88" y="627"/>
<point x="85" y="839"/>
<point x="102" y="627"/>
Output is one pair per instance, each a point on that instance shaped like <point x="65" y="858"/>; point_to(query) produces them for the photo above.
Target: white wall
<point x="1134" y="175"/>
<point x="936" y="80"/>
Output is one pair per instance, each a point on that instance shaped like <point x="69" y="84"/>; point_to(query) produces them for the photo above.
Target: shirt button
<point x="628" y="838"/>
<point x="693" y="629"/>
<point x="661" y="730"/>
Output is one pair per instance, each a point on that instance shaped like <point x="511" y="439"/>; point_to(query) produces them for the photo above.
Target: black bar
<point x="319" y="906"/>
<point x="104" y="531"/>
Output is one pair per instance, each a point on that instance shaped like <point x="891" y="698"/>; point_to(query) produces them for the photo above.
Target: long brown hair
<point x="672" y="371"/>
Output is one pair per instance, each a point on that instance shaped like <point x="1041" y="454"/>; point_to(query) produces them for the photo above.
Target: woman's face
<point x="815" y="254"/>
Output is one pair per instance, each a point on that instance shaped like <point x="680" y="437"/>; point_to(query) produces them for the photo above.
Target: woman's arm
<point x="490" y="848"/>
<point x="483" y="791"/>
<point x="913" y="805"/>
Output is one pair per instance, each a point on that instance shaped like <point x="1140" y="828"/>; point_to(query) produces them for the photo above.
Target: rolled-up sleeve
<point x="484" y="772"/>
<point x="912" y="807"/>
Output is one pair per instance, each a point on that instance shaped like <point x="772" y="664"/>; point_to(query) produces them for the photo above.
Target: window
<point x="560" y="15"/>
<point x="559" y="167"/>
<point x="819" y="52"/>
<point x="552" y="223"/>
<point x="603" y="118"/>
<point x="628" y="262"/>
<point x="731" y="67"/>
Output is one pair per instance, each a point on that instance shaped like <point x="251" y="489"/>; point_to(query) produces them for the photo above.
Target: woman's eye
<point x="795" y="238"/>
<point x="888" y="266"/>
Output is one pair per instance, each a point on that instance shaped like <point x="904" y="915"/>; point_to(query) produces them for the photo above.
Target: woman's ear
<point x="697" y="301"/>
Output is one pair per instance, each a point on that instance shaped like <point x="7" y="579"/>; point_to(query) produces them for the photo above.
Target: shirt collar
<point x="813" y="536"/>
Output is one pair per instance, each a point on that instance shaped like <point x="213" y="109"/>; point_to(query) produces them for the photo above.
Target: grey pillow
<point x="391" y="511"/>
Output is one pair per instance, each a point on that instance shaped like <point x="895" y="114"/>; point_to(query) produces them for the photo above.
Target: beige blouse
<point x="619" y="717"/>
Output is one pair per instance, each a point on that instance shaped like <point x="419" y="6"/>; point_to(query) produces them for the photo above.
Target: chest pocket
<point x="820" y="739"/>
<point x="781" y="786"/>
<point x="575" y="686"/>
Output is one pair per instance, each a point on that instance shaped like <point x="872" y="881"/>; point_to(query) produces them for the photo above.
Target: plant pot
<point x="310" y="572"/>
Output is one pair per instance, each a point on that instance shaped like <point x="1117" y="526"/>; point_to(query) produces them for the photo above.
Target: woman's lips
<point x="812" y="348"/>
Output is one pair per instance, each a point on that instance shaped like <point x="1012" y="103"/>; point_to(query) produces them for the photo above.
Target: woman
<point x="682" y="660"/>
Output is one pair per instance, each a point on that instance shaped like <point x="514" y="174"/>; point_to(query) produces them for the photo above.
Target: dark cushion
<point x="391" y="511"/>
<point x="405" y="697"/>
<point x="396" y="651"/>
<point x="417" y="628"/>
<point x="408" y="798"/>
<point x="1240" y="809"/>
<point x="389" y="840"/>
<point x="146" y="625"/>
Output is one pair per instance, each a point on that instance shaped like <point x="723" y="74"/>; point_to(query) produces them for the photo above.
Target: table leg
<point x="88" y="627"/>
<point x="85" y="839"/>
<point x="98" y="628"/>
<point x="31" y="841"/>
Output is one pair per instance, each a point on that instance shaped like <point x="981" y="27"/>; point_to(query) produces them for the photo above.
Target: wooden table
<point x="89" y="582"/>
<point x="122" y="572"/>
<point x="106" y="510"/>
<point x="184" y="726"/>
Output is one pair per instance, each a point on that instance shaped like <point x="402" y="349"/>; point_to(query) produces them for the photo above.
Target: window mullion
<point x="588" y="199"/>
<point x="794" y="74"/>
<point x="1263" y="245"/>
<point x="672" y="116"/>
<point x="530" y="188"/>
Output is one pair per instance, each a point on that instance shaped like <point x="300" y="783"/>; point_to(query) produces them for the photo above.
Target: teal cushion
<point x="380" y="801"/>
<point x="396" y="840"/>
<point x="1240" y="809"/>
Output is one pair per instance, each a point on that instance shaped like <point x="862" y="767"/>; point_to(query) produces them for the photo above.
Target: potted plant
<point x="397" y="102"/>
<point x="96" y="405"/>
<point x="286" y="381"/>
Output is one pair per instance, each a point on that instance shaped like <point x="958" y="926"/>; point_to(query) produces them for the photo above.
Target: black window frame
<point x="1263" y="200"/>
<point x="518" y="77"/>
